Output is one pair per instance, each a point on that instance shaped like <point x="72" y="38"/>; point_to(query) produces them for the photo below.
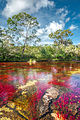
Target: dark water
<point x="46" y="91"/>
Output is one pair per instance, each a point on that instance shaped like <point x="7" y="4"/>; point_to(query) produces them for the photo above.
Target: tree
<point x="4" y="43"/>
<point x="22" y="28"/>
<point x="78" y="45"/>
<point x="62" y="37"/>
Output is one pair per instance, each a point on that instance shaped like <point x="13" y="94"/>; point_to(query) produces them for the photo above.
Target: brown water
<point x="40" y="91"/>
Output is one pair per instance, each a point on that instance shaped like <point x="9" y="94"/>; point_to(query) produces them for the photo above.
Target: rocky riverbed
<point x="51" y="105"/>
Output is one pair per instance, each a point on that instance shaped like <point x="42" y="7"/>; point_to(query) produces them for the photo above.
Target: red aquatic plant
<point x="65" y="105"/>
<point x="60" y="79"/>
<point x="6" y="93"/>
<point x="6" y="77"/>
<point x="35" y="98"/>
<point x="55" y="82"/>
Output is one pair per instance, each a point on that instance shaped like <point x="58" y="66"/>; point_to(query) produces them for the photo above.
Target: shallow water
<point x="40" y="91"/>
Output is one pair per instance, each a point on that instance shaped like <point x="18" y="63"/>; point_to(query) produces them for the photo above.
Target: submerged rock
<point x="51" y="93"/>
<point x="28" y="84"/>
<point x="45" y="104"/>
<point x="57" y="116"/>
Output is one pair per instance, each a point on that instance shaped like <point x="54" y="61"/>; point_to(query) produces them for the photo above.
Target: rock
<point x="45" y="105"/>
<point x="55" y="116"/>
<point x="43" y="109"/>
<point x="28" y="84"/>
<point x="51" y="93"/>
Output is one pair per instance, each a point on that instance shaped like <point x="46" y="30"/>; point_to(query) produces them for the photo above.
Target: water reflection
<point x="32" y="89"/>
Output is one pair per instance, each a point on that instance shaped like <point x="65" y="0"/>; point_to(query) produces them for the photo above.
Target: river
<point x="40" y="91"/>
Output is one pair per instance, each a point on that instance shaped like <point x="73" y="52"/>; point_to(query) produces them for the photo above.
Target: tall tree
<point x="62" y="37"/>
<point x="23" y="28"/>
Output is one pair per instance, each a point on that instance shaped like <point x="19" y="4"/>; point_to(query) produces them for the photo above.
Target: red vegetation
<point x="6" y="93"/>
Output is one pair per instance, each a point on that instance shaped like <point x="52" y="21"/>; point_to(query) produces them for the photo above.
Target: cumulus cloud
<point x="72" y="27"/>
<point x="43" y="33"/>
<point x="40" y="31"/>
<point x="16" y="6"/>
<point x="53" y="26"/>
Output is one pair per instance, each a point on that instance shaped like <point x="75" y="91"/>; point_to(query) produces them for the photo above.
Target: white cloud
<point x="16" y="6"/>
<point x="40" y="31"/>
<point x="67" y="19"/>
<point x="52" y="27"/>
<point x="72" y="27"/>
<point x="62" y="13"/>
<point x="59" y="11"/>
<point x="46" y="43"/>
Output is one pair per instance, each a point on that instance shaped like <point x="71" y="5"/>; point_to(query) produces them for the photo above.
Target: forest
<point x="19" y="42"/>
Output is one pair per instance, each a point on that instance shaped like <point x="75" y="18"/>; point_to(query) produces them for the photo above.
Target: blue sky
<point x="51" y="14"/>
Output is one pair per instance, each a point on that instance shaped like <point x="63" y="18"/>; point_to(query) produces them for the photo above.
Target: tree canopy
<point x="22" y="28"/>
<point x="62" y="37"/>
<point x="17" y="42"/>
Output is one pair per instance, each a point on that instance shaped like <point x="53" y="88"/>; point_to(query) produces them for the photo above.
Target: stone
<point x="51" y="93"/>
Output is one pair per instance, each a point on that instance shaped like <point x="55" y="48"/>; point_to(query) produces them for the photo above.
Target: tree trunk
<point x="23" y="51"/>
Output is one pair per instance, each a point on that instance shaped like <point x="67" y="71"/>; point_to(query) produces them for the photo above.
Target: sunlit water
<point x="46" y="91"/>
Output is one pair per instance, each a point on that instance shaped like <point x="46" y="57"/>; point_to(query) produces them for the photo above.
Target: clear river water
<point x="40" y="91"/>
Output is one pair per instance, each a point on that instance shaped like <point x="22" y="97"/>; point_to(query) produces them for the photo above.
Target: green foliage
<point x="22" y="27"/>
<point x="15" y="42"/>
<point x="39" y="53"/>
<point x="62" y="37"/>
